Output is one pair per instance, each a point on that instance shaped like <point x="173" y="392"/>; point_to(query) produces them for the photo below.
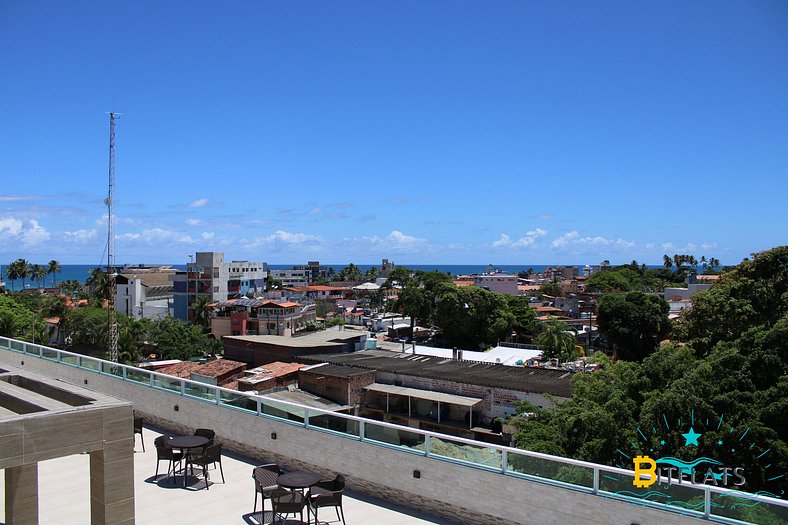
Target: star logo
<point x="691" y="437"/>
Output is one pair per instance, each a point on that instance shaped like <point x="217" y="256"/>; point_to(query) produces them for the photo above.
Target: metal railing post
<point x="596" y="480"/>
<point x="361" y="430"/>
<point x="427" y="445"/>
<point x="306" y="418"/>
<point x="706" y="502"/>
<point x="504" y="461"/>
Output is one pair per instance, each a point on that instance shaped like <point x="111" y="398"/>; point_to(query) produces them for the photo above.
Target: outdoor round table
<point x="186" y="443"/>
<point x="300" y="479"/>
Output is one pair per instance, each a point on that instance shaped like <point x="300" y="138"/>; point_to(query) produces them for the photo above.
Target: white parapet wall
<point x="453" y="490"/>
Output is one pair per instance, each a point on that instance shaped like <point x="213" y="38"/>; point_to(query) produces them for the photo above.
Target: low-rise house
<point x="498" y="282"/>
<point x="259" y="350"/>
<point x="446" y="395"/>
<point x="260" y="316"/>
<point x="217" y="372"/>
<point x="266" y="378"/>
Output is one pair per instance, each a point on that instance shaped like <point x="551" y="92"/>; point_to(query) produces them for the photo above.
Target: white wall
<point x="462" y="493"/>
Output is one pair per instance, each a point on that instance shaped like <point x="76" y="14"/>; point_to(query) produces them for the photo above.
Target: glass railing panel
<point x="89" y="363"/>
<point x="33" y="349"/>
<point x="743" y="508"/>
<point x="199" y="391"/>
<point x="334" y="423"/>
<point x="282" y="411"/>
<point x="235" y="400"/>
<point x="112" y="369"/>
<point x="69" y="359"/>
<point x="551" y="469"/>
<point x="394" y="436"/>
<point x="684" y="498"/>
<point x="138" y="376"/>
<point x="476" y="454"/>
<point x="48" y="353"/>
<point x="17" y="345"/>
<point x="167" y="383"/>
<point x="4" y="343"/>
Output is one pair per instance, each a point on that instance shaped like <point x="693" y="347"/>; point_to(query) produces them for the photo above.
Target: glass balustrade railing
<point x="719" y="504"/>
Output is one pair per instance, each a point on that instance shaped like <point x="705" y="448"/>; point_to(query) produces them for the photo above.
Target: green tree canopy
<point x="633" y="323"/>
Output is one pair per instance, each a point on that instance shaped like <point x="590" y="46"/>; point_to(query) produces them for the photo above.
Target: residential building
<point x="263" y="349"/>
<point x="144" y="291"/>
<point x="498" y="282"/>
<point x="260" y="316"/>
<point x="407" y="389"/>
<point x="209" y="275"/>
<point x="303" y="274"/>
<point x="291" y="276"/>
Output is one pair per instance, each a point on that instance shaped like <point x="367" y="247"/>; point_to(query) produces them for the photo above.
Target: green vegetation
<point x="726" y="370"/>
<point x="633" y="323"/>
<point x="85" y="329"/>
<point x="557" y="341"/>
<point x="468" y="317"/>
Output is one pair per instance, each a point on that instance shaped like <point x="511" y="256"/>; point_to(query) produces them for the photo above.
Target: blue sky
<point x="423" y="132"/>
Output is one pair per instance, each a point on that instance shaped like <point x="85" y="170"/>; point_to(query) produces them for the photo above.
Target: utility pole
<point x="112" y="332"/>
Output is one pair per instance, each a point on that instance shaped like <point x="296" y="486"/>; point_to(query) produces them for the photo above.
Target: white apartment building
<point x="208" y="274"/>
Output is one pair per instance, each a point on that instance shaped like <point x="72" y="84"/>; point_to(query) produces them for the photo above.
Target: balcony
<point x="406" y="465"/>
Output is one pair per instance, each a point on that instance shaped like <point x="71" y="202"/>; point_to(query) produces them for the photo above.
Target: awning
<point x="438" y="397"/>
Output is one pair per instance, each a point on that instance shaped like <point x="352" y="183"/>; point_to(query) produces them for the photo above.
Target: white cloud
<point x="10" y="226"/>
<point x="314" y="211"/>
<point x="80" y="235"/>
<point x="667" y="246"/>
<point x="529" y="239"/>
<point x="35" y="234"/>
<point x="17" y="198"/>
<point x="199" y="203"/>
<point x="502" y="242"/>
<point x="158" y="236"/>
<point x="571" y="241"/>
<point x="194" y="222"/>
<point x="207" y="235"/>
<point x="708" y="245"/>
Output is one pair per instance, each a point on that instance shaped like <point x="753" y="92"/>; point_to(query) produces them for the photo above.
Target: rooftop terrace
<point x="64" y="495"/>
<point x="450" y="477"/>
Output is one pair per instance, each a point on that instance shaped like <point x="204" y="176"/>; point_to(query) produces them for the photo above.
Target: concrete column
<point x="112" y="484"/>
<point x="21" y="495"/>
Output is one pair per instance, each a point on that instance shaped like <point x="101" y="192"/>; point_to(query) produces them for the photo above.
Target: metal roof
<point x="519" y="378"/>
<point x="439" y="397"/>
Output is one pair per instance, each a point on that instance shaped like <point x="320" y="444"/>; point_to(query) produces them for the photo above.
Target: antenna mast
<point x="112" y="333"/>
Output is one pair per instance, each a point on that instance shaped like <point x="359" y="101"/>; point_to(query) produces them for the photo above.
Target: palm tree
<point x="98" y="281"/>
<point x="713" y="263"/>
<point x="9" y="323"/>
<point x="39" y="272"/>
<point x="703" y="262"/>
<point x="53" y="268"/>
<point x="31" y="272"/>
<point x="667" y="261"/>
<point x="202" y="311"/>
<point x="12" y="271"/>
<point x="557" y="341"/>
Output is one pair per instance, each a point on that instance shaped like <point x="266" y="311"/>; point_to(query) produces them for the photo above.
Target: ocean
<point x="80" y="272"/>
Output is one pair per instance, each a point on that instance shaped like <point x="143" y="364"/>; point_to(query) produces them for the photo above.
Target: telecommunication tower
<point x="112" y="331"/>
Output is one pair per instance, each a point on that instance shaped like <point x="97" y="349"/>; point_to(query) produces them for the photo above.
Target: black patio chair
<point x="327" y="493"/>
<point x="211" y="454"/>
<point x="164" y="452"/>
<point x="206" y="432"/>
<point x="265" y="483"/>
<point x="286" y="502"/>
<point x="138" y="422"/>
